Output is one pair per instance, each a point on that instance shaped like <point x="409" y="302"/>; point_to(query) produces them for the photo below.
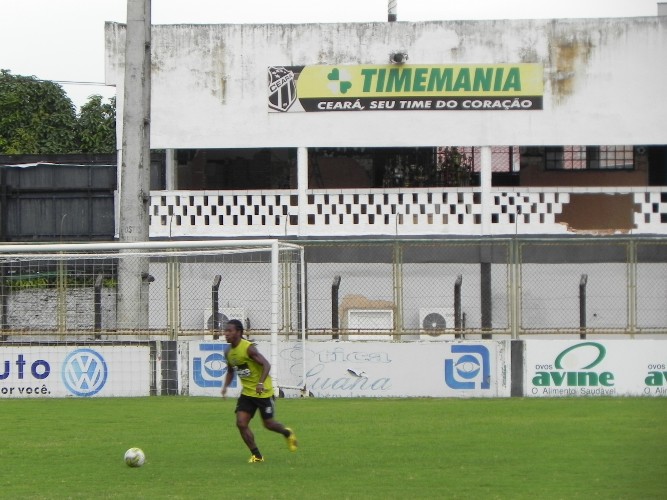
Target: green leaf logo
<point x="601" y="352"/>
<point x="340" y="81"/>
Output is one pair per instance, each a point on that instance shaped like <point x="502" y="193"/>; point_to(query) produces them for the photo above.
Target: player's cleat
<point x="291" y="440"/>
<point x="254" y="459"/>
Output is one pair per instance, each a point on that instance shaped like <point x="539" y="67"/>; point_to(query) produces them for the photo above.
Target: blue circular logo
<point x="84" y="372"/>
<point x="467" y="366"/>
<point x="215" y="365"/>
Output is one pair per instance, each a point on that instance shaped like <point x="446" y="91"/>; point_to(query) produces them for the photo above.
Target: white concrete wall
<point x="604" y="82"/>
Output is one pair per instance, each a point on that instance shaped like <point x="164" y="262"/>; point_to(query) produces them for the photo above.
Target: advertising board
<point x="555" y="368"/>
<point x="53" y="371"/>
<point x="369" y="369"/>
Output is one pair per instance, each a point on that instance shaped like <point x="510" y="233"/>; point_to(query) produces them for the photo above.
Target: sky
<point x="63" y="40"/>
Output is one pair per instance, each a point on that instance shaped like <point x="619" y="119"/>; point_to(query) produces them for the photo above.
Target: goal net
<point x="169" y="301"/>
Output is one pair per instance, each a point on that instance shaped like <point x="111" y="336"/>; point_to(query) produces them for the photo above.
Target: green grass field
<point x="349" y="448"/>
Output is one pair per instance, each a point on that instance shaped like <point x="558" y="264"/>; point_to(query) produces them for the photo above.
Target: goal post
<point x="156" y="291"/>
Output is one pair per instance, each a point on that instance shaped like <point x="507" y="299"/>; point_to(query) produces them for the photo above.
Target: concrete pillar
<point x="170" y="170"/>
<point x="135" y="167"/>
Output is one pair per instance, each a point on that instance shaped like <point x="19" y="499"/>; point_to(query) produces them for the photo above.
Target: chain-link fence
<point x="593" y="286"/>
<point x="450" y="289"/>
<point x="162" y="290"/>
<point x="416" y="289"/>
<point x="356" y="290"/>
<point x="571" y="287"/>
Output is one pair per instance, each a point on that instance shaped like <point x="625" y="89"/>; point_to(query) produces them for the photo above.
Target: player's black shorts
<point x="247" y="404"/>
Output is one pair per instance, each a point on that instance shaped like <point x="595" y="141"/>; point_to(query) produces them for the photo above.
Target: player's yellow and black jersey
<point x="248" y="370"/>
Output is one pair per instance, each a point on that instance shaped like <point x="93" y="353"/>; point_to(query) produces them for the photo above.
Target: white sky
<point x="63" y="40"/>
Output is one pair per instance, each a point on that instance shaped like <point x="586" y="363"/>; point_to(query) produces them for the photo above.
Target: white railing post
<point x="485" y="189"/>
<point x="302" y="187"/>
<point x="275" y="297"/>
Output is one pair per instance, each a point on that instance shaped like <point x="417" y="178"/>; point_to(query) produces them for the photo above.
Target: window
<point x="589" y="158"/>
<point x="504" y="159"/>
<point x="334" y="168"/>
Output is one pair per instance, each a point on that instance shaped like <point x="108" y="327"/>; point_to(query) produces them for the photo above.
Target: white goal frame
<point x="60" y="251"/>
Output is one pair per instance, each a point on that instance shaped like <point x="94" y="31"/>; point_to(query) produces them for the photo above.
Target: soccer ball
<point x="135" y="457"/>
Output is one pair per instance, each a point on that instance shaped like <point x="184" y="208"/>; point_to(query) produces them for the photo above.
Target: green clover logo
<point x="340" y="81"/>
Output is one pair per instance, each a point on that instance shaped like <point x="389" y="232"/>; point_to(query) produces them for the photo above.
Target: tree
<point x="97" y="126"/>
<point x="36" y="117"/>
<point x="455" y="168"/>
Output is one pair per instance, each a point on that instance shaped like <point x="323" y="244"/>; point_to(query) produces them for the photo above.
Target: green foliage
<point x="28" y="283"/>
<point x="455" y="167"/>
<point x="37" y="117"/>
<point x="512" y="448"/>
<point x="97" y="126"/>
<point x="51" y="279"/>
<point x="110" y="282"/>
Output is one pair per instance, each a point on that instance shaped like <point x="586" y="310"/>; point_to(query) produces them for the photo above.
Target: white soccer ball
<point x="135" y="457"/>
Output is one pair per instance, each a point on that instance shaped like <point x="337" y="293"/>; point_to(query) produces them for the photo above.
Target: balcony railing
<point x="389" y="212"/>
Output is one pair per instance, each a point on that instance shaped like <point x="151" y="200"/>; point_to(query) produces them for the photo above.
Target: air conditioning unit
<point x="435" y="322"/>
<point x="224" y="315"/>
<point x="370" y="320"/>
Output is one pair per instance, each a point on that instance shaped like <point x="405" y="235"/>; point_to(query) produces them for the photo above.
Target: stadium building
<point x="499" y="177"/>
<point x="405" y="129"/>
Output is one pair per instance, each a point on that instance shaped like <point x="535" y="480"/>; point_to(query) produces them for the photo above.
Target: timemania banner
<point x="471" y="87"/>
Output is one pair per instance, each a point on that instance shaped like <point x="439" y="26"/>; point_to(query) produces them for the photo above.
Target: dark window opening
<point x="589" y="158"/>
<point x="339" y="168"/>
<point x="420" y="167"/>
<point x="236" y="169"/>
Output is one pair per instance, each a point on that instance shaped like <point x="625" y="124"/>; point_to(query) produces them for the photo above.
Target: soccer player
<point x="244" y="360"/>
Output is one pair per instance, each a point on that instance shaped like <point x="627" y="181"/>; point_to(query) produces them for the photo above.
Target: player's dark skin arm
<point x="229" y="376"/>
<point x="266" y="367"/>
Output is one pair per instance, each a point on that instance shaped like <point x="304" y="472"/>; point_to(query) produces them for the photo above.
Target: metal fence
<point x="457" y="288"/>
<point x="355" y="290"/>
<point x="155" y="290"/>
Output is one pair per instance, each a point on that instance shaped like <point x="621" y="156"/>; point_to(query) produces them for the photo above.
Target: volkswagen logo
<point x="84" y="372"/>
